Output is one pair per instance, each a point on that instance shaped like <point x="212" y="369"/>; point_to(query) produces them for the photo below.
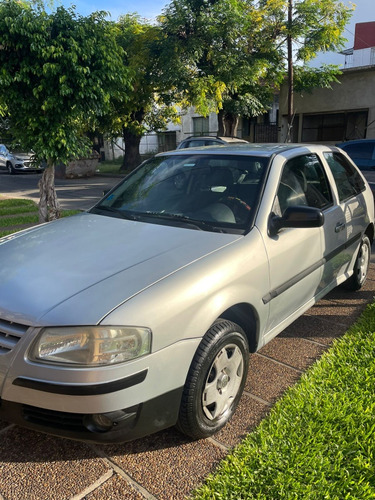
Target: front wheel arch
<point x="246" y="317"/>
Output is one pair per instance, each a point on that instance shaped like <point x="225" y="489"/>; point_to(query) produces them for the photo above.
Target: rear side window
<point x="348" y="180"/>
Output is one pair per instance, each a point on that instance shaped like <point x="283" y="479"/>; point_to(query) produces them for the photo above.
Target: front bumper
<point x="136" y="398"/>
<point x="27" y="167"/>
<point x="127" y="424"/>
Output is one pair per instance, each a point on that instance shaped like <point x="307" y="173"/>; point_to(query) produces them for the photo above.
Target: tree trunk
<point x="220" y="119"/>
<point x="132" y="158"/>
<point x="132" y="140"/>
<point x="290" y="74"/>
<point x="229" y="124"/>
<point x="49" y="207"/>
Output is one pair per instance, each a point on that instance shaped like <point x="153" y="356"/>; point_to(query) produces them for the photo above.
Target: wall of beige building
<point x="354" y="93"/>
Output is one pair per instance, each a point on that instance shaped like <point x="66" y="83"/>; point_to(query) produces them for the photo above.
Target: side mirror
<point x="298" y="216"/>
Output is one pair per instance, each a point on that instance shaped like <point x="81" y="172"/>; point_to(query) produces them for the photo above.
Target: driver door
<point x="295" y="254"/>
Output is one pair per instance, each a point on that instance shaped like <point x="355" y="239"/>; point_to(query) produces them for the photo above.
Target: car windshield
<point x="209" y="192"/>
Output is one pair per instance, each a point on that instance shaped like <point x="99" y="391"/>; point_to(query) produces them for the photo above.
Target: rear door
<point x="346" y="222"/>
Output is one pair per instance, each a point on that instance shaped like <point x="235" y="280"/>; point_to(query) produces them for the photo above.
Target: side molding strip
<point x="300" y="276"/>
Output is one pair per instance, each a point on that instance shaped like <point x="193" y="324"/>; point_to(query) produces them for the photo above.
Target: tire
<point x="215" y="381"/>
<point x="10" y="168"/>
<point x="358" y="278"/>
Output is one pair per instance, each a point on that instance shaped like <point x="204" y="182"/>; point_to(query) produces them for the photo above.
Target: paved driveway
<point x="78" y="194"/>
<point x="167" y="465"/>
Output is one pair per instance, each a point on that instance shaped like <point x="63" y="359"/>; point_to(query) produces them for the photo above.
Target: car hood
<point x="22" y="156"/>
<point x="93" y="263"/>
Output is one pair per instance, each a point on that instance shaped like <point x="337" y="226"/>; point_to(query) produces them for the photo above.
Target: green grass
<point x="21" y="219"/>
<point x="319" y="440"/>
<point x="19" y="212"/>
<point x="16" y="206"/>
<point x="110" y="166"/>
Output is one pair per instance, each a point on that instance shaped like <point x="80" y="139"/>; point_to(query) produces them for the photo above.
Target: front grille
<point x="54" y="419"/>
<point x="10" y="334"/>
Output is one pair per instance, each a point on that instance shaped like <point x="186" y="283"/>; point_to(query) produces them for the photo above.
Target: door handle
<point x="340" y="226"/>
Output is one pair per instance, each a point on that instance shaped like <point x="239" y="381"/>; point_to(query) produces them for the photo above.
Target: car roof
<point x="214" y="138"/>
<point x="251" y="149"/>
<point x="354" y="141"/>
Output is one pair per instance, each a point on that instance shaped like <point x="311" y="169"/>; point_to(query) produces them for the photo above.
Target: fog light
<point x="98" y="423"/>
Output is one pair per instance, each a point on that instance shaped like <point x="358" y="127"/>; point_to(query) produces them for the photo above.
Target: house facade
<point x="344" y="112"/>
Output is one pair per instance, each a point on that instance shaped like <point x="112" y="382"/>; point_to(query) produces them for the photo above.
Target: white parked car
<point x="196" y="141"/>
<point x="140" y="314"/>
<point x="15" y="162"/>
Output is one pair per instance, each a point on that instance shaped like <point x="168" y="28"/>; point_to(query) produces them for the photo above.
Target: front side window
<point x="210" y="192"/>
<point x="303" y="182"/>
<point x="348" y="181"/>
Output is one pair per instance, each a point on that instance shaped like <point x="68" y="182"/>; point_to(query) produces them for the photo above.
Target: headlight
<point x="91" y="345"/>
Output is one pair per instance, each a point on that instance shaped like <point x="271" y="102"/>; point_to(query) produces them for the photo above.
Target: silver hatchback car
<point x="140" y="313"/>
<point x="15" y="162"/>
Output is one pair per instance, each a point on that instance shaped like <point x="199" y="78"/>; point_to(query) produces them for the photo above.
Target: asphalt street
<point x="77" y="194"/>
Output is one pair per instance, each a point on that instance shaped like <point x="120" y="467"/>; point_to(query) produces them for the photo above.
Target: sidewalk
<point x="166" y="465"/>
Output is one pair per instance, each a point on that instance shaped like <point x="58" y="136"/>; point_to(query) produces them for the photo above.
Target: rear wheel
<point x="215" y="380"/>
<point x="357" y="280"/>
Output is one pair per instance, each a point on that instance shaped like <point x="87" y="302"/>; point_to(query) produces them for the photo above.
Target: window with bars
<point x="200" y="126"/>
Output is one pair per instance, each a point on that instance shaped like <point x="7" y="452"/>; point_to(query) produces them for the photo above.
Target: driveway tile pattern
<point x="248" y="415"/>
<point x="36" y="466"/>
<point x="268" y="380"/>
<point x="114" y="488"/>
<point x="167" y="465"/>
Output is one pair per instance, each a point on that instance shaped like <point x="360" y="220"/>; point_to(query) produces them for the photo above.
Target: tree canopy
<point x="228" y="56"/>
<point x="150" y="105"/>
<point x="58" y="72"/>
<point x="233" y="53"/>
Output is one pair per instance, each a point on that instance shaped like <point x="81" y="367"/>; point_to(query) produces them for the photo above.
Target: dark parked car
<point x="196" y="142"/>
<point x="362" y="152"/>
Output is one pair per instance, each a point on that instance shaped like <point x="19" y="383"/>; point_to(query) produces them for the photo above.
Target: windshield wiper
<point x="198" y="224"/>
<point x="121" y="213"/>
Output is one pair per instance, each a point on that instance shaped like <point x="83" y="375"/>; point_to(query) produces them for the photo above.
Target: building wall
<point x="364" y="35"/>
<point x="354" y="93"/>
<point x="187" y="129"/>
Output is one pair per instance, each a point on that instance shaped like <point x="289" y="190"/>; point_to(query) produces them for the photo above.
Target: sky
<point x="150" y="9"/>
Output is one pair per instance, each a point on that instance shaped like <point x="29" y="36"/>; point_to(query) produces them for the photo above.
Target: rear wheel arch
<point x="370" y="232"/>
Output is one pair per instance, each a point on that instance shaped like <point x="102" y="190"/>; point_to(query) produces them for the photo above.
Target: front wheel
<point x="357" y="280"/>
<point x="10" y="168"/>
<point x="215" y="380"/>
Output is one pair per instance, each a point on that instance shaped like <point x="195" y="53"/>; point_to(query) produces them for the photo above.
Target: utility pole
<point x="290" y="72"/>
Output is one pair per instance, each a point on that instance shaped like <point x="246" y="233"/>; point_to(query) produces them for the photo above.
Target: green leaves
<point x="58" y="73"/>
<point x="227" y="51"/>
